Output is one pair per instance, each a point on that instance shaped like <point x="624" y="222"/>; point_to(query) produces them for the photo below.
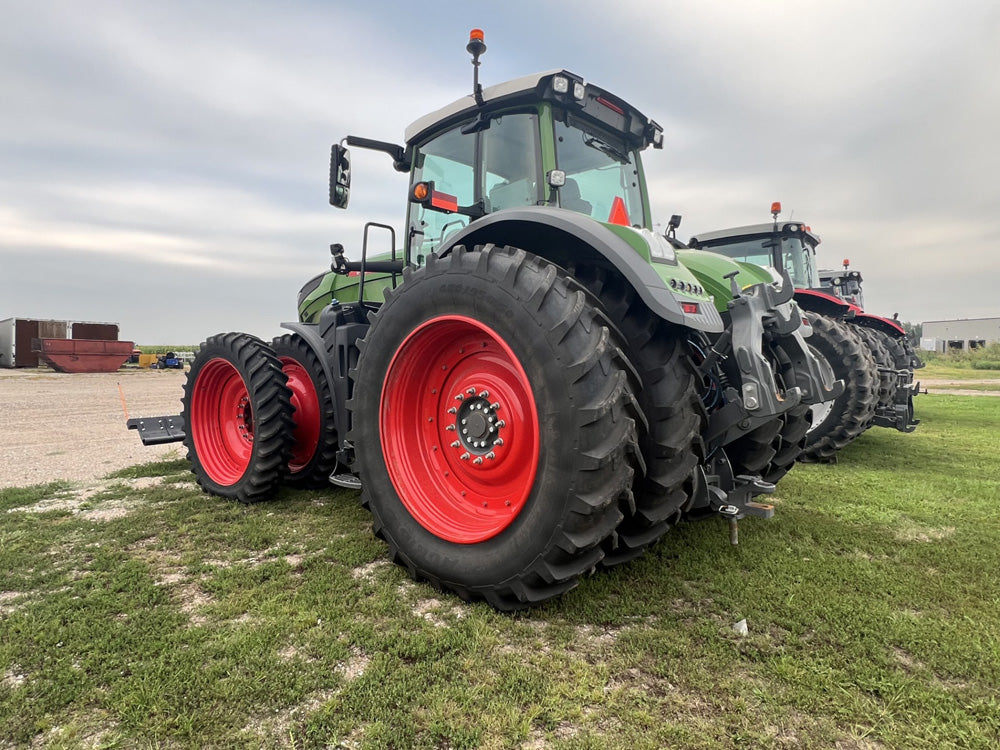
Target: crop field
<point x="139" y="612"/>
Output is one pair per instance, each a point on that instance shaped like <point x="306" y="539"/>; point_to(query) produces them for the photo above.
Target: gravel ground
<point x="72" y="427"/>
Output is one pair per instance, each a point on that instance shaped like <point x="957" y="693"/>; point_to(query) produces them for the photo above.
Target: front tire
<point x="238" y="413"/>
<point x="493" y="427"/>
<point x="670" y="434"/>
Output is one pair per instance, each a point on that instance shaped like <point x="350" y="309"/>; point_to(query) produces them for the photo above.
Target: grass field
<point x="142" y="613"/>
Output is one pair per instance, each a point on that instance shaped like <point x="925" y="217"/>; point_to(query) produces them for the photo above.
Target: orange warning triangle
<point x="618" y="213"/>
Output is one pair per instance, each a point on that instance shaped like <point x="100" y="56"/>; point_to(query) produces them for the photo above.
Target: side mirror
<point x="340" y="176"/>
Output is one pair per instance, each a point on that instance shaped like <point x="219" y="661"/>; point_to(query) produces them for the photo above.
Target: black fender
<point x="334" y="340"/>
<point x="309" y="332"/>
<point x="879" y="323"/>
<point x="561" y="236"/>
<point x="825" y="304"/>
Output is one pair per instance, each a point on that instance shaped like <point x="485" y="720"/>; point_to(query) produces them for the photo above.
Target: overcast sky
<point x="163" y="165"/>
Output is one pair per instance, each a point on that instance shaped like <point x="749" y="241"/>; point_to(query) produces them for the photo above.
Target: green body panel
<point x="697" y="268"/>
<point x="633" y="238"/>
<point x="711" y="269"/>
<point x="345" y="289"/>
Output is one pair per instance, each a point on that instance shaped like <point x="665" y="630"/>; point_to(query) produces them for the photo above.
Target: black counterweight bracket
<point x="158" y="430"/>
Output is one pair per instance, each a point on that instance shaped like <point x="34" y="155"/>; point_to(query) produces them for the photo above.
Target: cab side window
<point x="486" y="171"/>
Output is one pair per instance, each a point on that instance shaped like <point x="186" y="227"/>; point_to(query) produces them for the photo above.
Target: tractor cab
<point x="548" y="139"/>
<point x="505" y="155"/>
<point x="845" y="284"/>
<point x="786" y="245"/>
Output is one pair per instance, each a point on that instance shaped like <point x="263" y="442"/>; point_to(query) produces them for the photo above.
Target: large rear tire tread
<point x="886" y="366"/>
<point x="231" y="368"/>
<point x="586" y="424"/>
<point x="311" y="464"/>
<point x="854" y="410"/>
<point x="670" y="436"/>
<point x="772" y="449"/>
<point x="900" y="352"/>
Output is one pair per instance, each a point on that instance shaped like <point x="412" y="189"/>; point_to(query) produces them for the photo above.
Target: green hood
<point x="711" y="269"/>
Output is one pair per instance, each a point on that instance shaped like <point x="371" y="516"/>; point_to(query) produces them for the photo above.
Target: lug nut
<point x="465" y="456"/>
<point x="478" y="460"/>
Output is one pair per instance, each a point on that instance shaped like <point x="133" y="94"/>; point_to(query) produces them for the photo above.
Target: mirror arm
<point x="397" y="152"/>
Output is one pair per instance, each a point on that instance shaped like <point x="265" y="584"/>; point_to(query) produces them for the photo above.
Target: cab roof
<point x="719" y="235"/>
<point x="597" y="105"/>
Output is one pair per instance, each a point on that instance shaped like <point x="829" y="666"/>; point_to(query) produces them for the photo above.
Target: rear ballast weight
<point x="546" y="388"/>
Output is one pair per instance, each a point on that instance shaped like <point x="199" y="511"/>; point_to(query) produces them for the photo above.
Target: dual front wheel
<point x="258" y="416"/>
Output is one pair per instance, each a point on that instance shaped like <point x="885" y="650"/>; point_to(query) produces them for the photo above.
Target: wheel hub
<point x="476" y="423"/>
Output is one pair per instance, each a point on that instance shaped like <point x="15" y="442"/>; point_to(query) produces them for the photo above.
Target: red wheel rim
<point x="306" y="415"/>
<point x="459" y="429"/>
<point x="221" y="422"/>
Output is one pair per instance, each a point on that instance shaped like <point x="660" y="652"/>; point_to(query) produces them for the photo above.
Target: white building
<point x="970" y="333"/>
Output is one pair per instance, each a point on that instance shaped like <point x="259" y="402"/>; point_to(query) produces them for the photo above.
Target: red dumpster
<point x="82" y="355"/>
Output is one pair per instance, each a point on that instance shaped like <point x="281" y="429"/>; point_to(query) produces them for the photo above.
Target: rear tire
<point x="837" y="423"/>
<point x="314" y="450"/>
<point x="238" y="413"/>
<point x="492" y="352"/>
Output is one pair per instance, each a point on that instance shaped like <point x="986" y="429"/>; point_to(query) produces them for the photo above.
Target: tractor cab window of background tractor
<point x="754" y="251"/>
<point x="487" y="170"/>
<point x="797" y="258"/>
<point x="598" y="168"/>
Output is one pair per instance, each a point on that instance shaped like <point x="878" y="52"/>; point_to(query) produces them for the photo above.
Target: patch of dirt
<point x="57" y="426"/>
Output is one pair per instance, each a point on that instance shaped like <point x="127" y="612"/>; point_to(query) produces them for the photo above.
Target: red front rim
<point x="306" y="414"/>
<point x="221" y="422"/>
<point x="459" y="429"/>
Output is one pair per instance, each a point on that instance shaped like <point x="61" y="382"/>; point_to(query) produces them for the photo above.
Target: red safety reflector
<point x="443" y="201"/>
<point x="610" y="105"/>
<point x="805" y="321"/>
<point x="691" y="308"/>
<point x="618" y="213"/>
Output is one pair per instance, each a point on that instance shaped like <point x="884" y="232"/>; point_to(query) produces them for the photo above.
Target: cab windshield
<point x="600" y="172"/>
<point x="797" y="258"/>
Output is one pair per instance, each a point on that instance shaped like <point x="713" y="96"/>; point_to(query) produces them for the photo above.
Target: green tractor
<point x="871" y="354"/>
<point x="535" y="385"/>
